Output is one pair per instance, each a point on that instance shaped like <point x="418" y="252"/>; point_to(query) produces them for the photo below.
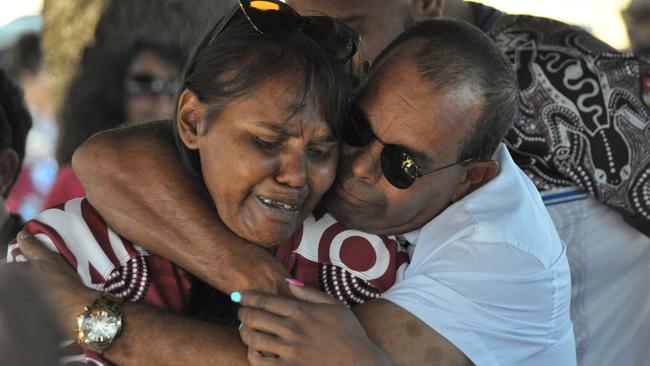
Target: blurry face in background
<point x="378" y="22"/>
<point x="637" y="20"/>
<point x="265" y="164"/>
<point x="150" y="84"/>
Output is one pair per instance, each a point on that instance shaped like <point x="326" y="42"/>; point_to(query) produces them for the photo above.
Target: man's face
<point x="378" y="22"/>
<point x="402" y="109"/>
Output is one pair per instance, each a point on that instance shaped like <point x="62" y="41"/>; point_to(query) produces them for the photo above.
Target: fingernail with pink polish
<point x="294" y="282"/>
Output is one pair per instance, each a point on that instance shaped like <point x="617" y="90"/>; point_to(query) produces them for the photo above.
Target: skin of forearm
<point x="119" y="170"/>
<point x="153" y="337"/>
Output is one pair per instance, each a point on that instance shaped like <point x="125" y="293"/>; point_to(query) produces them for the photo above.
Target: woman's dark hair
<point x="239" y="59"/>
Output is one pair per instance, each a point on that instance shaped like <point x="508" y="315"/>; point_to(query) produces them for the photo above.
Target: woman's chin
<point x="272" y="236"/>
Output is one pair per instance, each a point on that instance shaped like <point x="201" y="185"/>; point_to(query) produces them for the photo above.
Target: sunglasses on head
<point x="275" y="19"/>
<point x="397" y="163"/>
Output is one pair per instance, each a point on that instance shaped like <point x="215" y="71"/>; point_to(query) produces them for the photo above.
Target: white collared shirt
<point x="490" y="274"/>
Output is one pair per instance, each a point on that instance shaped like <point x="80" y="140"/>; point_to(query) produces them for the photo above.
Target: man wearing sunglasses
<point x="590" y="167"/>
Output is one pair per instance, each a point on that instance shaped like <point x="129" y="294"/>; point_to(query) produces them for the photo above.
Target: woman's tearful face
<point x="265" y="162"/>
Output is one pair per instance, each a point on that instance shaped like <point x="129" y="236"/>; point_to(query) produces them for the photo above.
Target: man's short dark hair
<point x="15" y="120"/>
<point x="457" y="53"/>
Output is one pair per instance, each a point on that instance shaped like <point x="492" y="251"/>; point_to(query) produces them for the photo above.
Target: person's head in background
<point x="15" y="122"/>
<point x="94" y="100"/>
<point x="637" y="21"/>
<point x="378" y="22"/>
<point x="27" y="69"/>
<point x="113" y="87"/>
<point x="151" y="81"/>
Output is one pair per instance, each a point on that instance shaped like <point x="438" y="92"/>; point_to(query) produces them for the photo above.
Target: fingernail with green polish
<point x="235" y="297"/>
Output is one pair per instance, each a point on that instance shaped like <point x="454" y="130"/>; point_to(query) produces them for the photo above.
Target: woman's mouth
<point x="286" y="208"/>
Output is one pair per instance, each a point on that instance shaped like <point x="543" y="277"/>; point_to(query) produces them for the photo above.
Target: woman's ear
<point x="190" y="121"/>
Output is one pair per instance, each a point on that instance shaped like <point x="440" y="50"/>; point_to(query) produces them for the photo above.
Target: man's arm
<point x="134" y="177"/>
<point x="406" y="339"/>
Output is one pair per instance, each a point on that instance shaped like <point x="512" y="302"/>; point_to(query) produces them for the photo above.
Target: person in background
<point x="30" y="334"/>
<point x="151" y="81"/>
<point x="28" y="70"/>
<point x="133" y="89"/>
<point x="637" y="22"/>
<point x="15" y="122"/>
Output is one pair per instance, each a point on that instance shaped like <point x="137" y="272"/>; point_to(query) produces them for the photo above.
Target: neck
<point x="458" y="9"/>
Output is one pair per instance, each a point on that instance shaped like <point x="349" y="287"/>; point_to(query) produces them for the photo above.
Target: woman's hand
<point x="64" y="289"/>
<point x="313" y="330"/>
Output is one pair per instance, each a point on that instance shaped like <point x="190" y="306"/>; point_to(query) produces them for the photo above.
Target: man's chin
<point x="350" y="216"/>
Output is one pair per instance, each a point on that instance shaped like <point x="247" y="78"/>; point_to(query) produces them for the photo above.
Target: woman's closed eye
<point x="268" y="144"/>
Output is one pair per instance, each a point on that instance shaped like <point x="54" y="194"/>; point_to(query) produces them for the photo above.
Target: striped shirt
<point x="319" y="254"/>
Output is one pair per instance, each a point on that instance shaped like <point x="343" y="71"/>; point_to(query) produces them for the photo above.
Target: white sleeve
<point x="496" y="304"/>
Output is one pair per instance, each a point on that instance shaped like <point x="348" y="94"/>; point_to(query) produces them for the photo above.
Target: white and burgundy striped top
<point x="349" y="265"/>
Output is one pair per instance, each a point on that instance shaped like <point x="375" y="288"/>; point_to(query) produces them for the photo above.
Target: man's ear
<point x="427" y="9"/>
<point x="477" y="173"/>
<point x="190" y="121"/>
<point x="8" y="168"/>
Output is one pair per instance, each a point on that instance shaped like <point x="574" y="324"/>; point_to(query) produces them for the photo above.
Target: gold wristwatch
<point x="100" y="323"/>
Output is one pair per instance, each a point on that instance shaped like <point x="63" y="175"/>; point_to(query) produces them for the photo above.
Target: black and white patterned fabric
<point x="583" y="121"/>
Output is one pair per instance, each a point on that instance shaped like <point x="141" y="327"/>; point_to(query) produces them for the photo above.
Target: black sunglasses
<point x="397" y="164"/>
<point x="274" y="19"/>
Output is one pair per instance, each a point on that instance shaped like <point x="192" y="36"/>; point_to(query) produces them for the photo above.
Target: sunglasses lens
<point x="394" y="161"/>
<point x="272" y="18"/>
<point x="337" y="38"/>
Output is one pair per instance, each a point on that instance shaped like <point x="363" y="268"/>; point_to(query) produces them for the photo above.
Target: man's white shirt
<point x="490" y="274"/>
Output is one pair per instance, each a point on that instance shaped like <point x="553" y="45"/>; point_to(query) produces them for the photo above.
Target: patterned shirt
<point x="583" y="119"/>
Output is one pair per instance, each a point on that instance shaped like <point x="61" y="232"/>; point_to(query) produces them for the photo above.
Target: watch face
<point x="100" y="325"/>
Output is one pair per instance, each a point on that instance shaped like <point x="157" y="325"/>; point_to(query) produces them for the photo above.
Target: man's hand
<point x="313" y="330"/>
<point x="64" y="290"/>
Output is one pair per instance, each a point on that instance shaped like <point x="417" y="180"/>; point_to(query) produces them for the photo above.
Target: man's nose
<point x="364" y="162"/>
<point x="292" y="170"/>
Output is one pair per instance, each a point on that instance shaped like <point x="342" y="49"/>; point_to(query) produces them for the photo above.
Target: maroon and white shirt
<point x="349" y="265"/>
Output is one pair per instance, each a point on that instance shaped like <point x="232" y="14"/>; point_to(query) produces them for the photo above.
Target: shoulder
<point x="506" y="216"/>
<point x="77" y="231"/>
